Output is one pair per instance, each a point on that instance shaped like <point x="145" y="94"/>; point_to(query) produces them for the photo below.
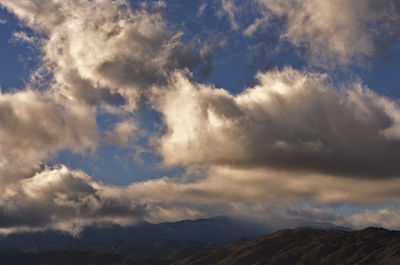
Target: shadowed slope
<point x="308" y="246"/>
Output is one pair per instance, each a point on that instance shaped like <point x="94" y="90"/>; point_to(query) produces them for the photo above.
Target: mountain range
<point x="307" y="246"/>
<point x="219" y="240"/>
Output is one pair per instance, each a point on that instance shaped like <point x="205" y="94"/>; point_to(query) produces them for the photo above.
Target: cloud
<point x="95" y="55"/>
<point x="62" y="199"/>
<point x="67" y="200"/>
<point x="388" y="217"/>
<point x="267" y="187"/>
<point x="98" y="50"/>
<point x="291" y="120"/>
<point x="123" y="133"/>
<point x="59" y="198"/>
<point x="33" y="128"/>
<point x="229" y="9"/>
<point x="334" y="32"/>
<point x="292" y="137"/>
<point x="23" y="37"/>
<point x="201" y="9"/>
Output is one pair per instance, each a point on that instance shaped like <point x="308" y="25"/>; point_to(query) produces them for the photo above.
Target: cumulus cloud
<point x="292" y="137"/>
<point x="62" y="199"/>
<point x="93" y="53"/>
<point x="33" y="127"/>
<point x="334" y="32"/>
<point x="59" y="198"/>
<point x="291" y="120"/>
<point x="236" y="137"/>
<point x="99" y="50"/>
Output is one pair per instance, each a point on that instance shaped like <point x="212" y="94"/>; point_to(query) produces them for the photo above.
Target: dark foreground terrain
<point x="298" y="246"/>
<point x="308" y="246"/>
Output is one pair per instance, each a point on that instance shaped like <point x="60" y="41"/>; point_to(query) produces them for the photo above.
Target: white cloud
<point x="291" y="120"/>
<point x="95" y="54"/>
<point x="33" y="127"/>
<point x="388" y="217"/>
<point x="292" y="137"/>
<point x="61" y="199"/>
<point x="102" y="50"/>
<point x="229" y="9"/>
<point x="335" y="31"/>
<point x="23" y="37"/>
<point x="123" y="134"/>
<point x="268" y="187"/>
<point x="201" y="9"/>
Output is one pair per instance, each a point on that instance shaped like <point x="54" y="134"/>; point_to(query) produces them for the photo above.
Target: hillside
<point x="308" y="246"/>
<point x="299" y="246"/>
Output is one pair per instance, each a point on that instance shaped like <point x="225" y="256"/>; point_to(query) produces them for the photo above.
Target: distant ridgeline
<point x="204" y="241"/>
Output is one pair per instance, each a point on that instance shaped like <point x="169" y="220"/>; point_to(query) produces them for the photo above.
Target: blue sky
<point x="163" y="110"/>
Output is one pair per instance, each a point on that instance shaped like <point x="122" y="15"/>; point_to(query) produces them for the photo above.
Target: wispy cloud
<point x="388" y="217"/>
<point x="333" y="32"/>
<point x="23" y="37"/>
<point x="229" y="9"/>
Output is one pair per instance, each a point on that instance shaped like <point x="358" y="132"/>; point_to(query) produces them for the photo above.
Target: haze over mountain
<point x="211" y="232"/>
<point x="298" y="246"/>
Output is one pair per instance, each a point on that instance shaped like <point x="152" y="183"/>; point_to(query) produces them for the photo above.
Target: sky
<point x="274" y="111"/>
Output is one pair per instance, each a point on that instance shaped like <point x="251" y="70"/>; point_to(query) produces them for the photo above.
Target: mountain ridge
<point x="299" y="246"/>
<point x="308" y="246"/>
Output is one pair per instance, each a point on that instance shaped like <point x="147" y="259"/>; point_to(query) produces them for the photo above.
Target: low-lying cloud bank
<point x="293" y="137"/>
<point x="62" y="199"/>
